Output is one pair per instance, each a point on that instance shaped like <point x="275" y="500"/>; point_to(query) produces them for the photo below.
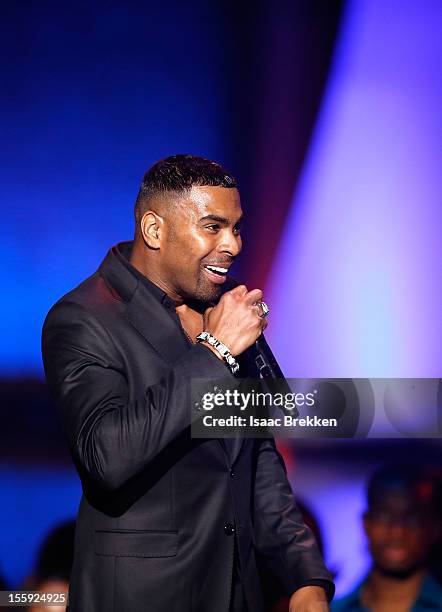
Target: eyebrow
<point x="218" y="219"/>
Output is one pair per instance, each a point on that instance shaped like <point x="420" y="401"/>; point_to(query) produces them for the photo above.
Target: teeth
<point x="217" y="269"/>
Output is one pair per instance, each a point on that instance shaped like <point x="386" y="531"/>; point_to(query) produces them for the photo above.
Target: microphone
<point x="265" y="361"/>
<point x="270" y="371"/>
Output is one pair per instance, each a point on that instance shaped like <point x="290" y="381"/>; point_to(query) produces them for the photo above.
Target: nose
<point x="229" y="242"/>
<point x="398" y="530"/>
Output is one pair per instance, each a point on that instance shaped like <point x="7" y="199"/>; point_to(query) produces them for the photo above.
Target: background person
<point x="403" y="527"/>
<point x="53" y="567"/>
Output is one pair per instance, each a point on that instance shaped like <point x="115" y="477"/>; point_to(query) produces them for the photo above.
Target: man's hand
<point x="235" y="320"/>
<point x="309" y="599"/>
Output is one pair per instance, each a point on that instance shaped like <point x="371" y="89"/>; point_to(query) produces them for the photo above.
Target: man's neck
<point x="191" y="320"/>
<point x="138" y="260"/>
<point x="383" y="592"/>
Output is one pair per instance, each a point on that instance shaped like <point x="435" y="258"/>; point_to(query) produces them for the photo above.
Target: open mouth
<point x="217" y="274"/>
<point x="395" y="553"/>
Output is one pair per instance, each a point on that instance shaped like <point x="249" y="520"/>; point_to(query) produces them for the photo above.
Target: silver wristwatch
<point x="220" y="348"/>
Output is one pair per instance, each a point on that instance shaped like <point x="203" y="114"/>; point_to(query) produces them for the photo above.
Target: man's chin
<point x="398" y="572"/>
<point x="207" y="294"/>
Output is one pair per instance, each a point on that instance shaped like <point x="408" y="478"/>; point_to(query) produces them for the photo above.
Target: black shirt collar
<point x="123" y="251"/>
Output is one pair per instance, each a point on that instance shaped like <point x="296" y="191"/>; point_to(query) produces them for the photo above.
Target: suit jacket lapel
<point x="144" y="310"/>
<point x="151" y="319"/>
<point x="157" y="326"/>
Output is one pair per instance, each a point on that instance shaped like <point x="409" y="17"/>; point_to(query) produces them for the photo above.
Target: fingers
<point x="236" y="320"/>
<point x="253" y="296"/>
<point x="250" y="297"/>
<point x="239" y="290"/>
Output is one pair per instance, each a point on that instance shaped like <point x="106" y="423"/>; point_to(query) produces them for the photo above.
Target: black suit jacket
<point x="160" y="510"/>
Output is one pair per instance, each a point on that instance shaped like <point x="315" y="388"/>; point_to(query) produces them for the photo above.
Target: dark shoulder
<point x="93" y="294"/>
<point x="92" y="298"/>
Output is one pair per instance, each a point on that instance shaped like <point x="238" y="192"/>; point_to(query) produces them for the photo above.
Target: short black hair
<point x="178" y="174"/>
<point x="415" y="481"/>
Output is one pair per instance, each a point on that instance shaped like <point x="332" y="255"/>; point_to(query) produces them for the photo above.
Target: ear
<point x="151" y="226"/>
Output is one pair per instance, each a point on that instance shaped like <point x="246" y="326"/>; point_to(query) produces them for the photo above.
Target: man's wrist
<point x="309" y="599"/>
<point x="220" y="348"/>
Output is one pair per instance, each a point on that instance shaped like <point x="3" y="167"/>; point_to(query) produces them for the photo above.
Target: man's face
<point x="400" y="534"/>
<point x="201" y="239"/>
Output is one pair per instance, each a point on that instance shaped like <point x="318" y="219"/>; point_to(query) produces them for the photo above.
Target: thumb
<point x="239" y="289"/>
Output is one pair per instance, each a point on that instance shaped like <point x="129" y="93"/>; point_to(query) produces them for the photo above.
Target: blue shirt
<point x="429" y="598"/>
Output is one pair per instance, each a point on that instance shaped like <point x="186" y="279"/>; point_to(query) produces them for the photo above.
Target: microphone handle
<point x="270" y="371"/>
<point x="265" y="360"/>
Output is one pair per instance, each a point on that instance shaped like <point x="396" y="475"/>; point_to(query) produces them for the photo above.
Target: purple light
<point x="355" y="288"/>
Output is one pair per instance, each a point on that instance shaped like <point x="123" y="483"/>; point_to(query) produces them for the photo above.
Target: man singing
<point x="168" y="522"/>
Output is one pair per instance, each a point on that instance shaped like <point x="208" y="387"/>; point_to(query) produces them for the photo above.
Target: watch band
<point x="220" y="348"/>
